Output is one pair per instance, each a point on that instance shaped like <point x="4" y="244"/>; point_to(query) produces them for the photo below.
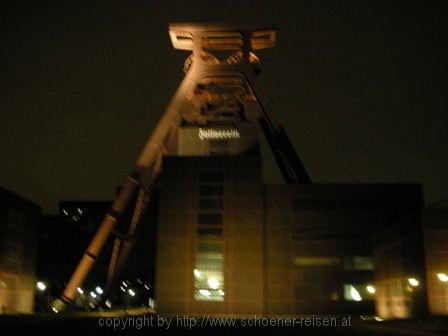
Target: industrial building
<point x="411" y="259"/>
<point x="229" y="244"/>
<point x="19" y="225"/>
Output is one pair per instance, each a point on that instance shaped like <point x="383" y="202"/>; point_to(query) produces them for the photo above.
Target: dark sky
<point x="361" y="87"/>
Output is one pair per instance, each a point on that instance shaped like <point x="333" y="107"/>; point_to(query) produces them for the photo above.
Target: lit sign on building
<point x="215" y="134"/>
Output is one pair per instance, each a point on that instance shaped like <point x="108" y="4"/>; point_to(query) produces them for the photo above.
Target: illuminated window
<point x="358" y="263"/>
<point x="208" y="272"/>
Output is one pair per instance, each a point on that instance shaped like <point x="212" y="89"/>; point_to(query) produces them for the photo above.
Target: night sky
<point x="360" y="86"/>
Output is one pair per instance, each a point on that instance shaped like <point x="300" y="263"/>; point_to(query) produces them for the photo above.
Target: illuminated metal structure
<point x="215" y="91"/>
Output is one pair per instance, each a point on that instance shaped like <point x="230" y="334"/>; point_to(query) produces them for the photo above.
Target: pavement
<point x="138" y="321"/>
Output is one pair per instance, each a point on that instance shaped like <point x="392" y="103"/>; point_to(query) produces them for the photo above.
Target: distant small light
<point x="91" y="304"/>
<point x="124" y="284"/>
<point x="197" y="273"/>
<point x="64" y="212"/>
<point x="80" y="291"/>
<point x="54" y="310"/>
<point x="99" y="290"/>
<point x="413" y="282"/>
<point x="221" y="292"/>
<point x="92" y="294"/>
<point x="122" y="289"/>
<point x="131" y="292"/>
<point x="41" y="286"/>
<point x="108" y="304"/>
<point x="371" y="289"/>
<point x="205" y="292"/>
<point x="139" y="281"/>
<point x="442" y="277"/>
<point x="146" y="287"/>
<point x="79" y="211"/>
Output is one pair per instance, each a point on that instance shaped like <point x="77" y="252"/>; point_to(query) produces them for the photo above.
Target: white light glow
<point x="80" y="291"/>
<point x="41" y="286"/>
<point x="54" y="310"/>
<point x="413" y="282"/>
<point x="108" y="304"/>
<point x="205" y="292"/>
<point x="442" y="277"/>
<point x="371" y="289"/>
<point x="355" y="294"/>
<point x="213" y="283"/>
<point x="99" y="290"/>
<point x="131" y="292"/>
<point x="221" y="292"/>
<point x="92" y="294"/>
<point x="197" y="273"/>
<point x="122" y="289"/>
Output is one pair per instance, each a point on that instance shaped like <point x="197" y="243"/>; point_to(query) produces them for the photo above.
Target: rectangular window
<point x="210" y="219"/>
<point x="210" y="203"/>
<point x="214" y="247"/>
<point x="211" y="190"/>
<point x="358" y="263"/>
<point x="316" y="261"/>
<point x="209" y="267"/>
<point x="208" y="272"/>
<point x="213" y="177"/>
<point x="210" y="232"/>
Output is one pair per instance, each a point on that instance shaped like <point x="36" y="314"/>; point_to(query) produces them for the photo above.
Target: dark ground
<point x="60" y="325"/>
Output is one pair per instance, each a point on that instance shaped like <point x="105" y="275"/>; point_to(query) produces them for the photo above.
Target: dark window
<point x="210" y="219"/>
<point x="216" y="177"/>
<point x="210" y="190"/>
<point x="212" y="203"/>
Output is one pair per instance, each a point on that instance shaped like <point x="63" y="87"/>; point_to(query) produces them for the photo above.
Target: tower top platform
<point x="189" y="36"/>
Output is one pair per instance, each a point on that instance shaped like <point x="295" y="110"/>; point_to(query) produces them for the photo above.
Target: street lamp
<point x="41" y="286"/>
<point x="413" y="282"/>
<point x="371" y="289"/>
<point x="442" y="277"/>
